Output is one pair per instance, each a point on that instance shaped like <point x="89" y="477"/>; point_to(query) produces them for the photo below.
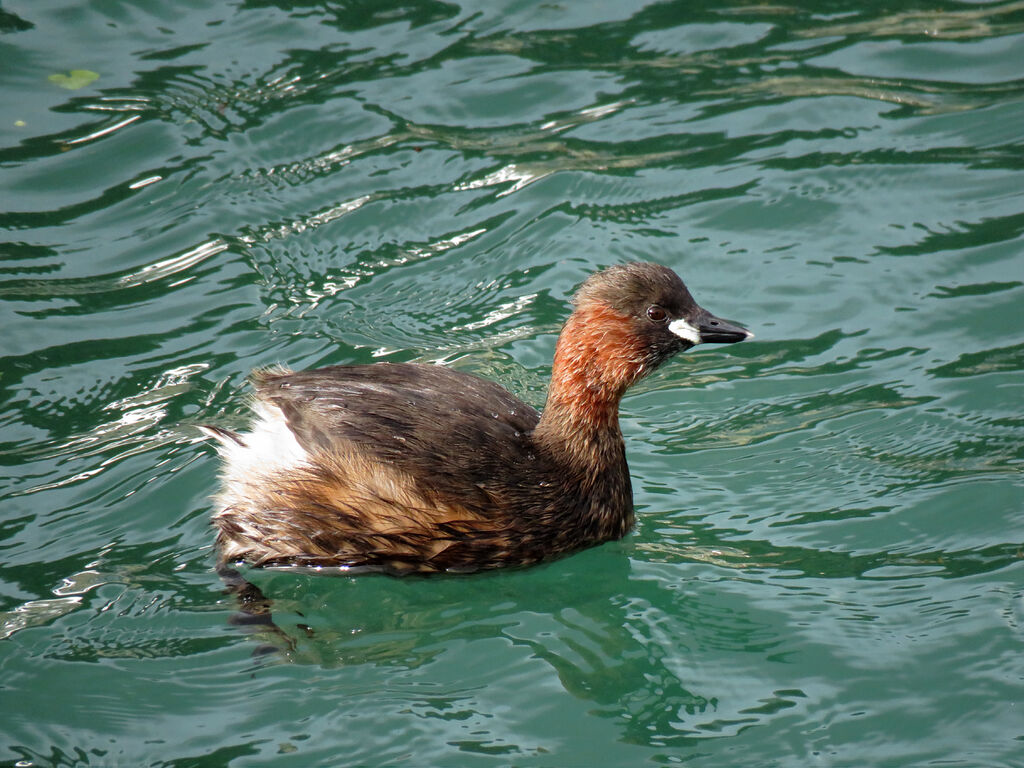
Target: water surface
<point x="827" y="564"/>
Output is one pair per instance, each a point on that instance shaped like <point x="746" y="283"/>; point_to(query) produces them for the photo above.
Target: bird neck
<point x="596" y="359"/>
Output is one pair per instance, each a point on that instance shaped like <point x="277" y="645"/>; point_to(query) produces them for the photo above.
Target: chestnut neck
<point x="596" y="359"/>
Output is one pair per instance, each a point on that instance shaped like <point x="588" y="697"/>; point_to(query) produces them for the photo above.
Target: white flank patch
<point x="269" y="448"/>
<point x="684" y="330"/>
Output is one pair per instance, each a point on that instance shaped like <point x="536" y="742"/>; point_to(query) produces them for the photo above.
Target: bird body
<point x="408" y="467"/>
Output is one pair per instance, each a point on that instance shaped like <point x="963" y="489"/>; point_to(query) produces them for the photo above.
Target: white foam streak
<point x="166" y="267"/>
<point x="104" y="131"/>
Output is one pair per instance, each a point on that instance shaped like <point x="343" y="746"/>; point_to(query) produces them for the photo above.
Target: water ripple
<point x="827" y="514"/>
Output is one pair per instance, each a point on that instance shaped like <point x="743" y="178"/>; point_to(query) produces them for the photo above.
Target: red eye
<point x="656" y="314"/>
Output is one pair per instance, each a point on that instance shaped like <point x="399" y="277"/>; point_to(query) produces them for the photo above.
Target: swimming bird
<point x="404" y="467"/>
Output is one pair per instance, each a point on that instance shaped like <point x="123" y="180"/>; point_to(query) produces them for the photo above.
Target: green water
<point x="827" y="565"/>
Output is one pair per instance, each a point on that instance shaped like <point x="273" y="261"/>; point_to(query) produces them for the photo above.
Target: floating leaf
<point x="75" y="79"/>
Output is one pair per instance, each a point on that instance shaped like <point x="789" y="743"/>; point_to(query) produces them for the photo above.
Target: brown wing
<point x="456" y="435"/>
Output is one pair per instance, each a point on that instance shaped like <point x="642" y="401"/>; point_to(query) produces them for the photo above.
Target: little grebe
<point x="407" y="467"/>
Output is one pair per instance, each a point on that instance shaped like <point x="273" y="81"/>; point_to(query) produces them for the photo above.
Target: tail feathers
<point x="221" y="435"/>
<point x="262" y="376"/>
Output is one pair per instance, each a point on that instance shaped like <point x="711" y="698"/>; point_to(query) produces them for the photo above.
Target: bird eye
<point x="656" y="314"/>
